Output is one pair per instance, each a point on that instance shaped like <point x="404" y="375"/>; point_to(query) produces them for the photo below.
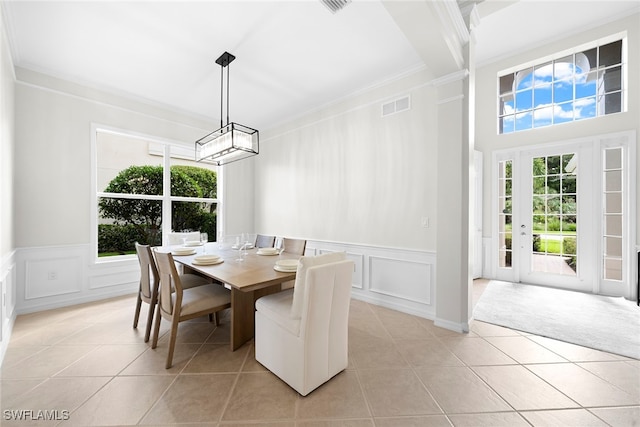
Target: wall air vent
<point x="335" y="5"/>
<point x="396" y="106"/>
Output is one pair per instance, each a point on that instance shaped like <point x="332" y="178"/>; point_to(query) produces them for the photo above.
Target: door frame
<point x="596" y="144"/>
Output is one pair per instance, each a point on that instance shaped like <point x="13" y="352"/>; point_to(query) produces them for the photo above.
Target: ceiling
<point x="292" y="56"/>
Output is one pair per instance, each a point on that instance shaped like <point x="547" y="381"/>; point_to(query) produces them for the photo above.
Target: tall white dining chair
<point x="301" y="334"/>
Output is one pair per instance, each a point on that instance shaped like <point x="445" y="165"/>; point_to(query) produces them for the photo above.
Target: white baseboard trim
<point x="452" y="326"/>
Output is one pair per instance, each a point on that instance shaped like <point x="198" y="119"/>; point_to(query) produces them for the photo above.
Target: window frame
<point x="163" y="147"/>
<point x="528" y="70"/>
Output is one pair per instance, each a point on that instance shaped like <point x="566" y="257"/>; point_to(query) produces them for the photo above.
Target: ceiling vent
<point x="396" y="106"/>
<point x="335" y="5"/>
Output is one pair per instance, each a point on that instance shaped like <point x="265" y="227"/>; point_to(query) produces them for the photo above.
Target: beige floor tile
<point x="621" y="374"/>
<point x="221" y="335"/>
<point x="423" y="421"/>
<point x="336" y="423"/>
<point x="290" y="423"/>
<point x="152" y="361"/>
<point x="627" y="416"/>
<point x="105" y="333"/>
<point x="340" y="397"/>
<point x="572" y="352"/>
<point x="376" y="353"/>
<point x="563" y="417"/>
<point x="191" y="332"/>
<point x="47" y="362"/>
<point x="476" y="351"/>
<point x="191" y="399"/>
<point x="218" y="358"/>
<point x="484" y="329"/>
<point x="261" y="396"/>
<point x="496" y="419"/>
<point x="427" y="352"/>
<point x="11" y="390"/>
<point x="522" y="389"/>
<point x="417" y="382"/>
<point x="395" y="392"/>
<point x="17" y="354"/>
<point x="523" y="350"/>
<point x="48" y="334"/>
<point x="251" y="364"/>
<point x="57" y="394"/>
<point x="104" y="360"/>
<point x="124" y="400"/>
<point x="458" y="390"/>
<point x="582" y="386"/>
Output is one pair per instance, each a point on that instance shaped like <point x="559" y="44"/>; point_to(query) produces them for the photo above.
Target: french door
<point x="563" y="216"/>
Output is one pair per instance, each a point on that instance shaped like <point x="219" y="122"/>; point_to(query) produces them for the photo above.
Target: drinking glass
<point x="204" y="238"/>
<point x="279" y="245"/>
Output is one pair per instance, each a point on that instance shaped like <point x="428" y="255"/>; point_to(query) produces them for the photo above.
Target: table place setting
<point x="286" y="265"/>
<point x="193" y="243"/>
<point x="182" y="251"/>
<point x="207" y="260"/>
<point x="268" y="251"/>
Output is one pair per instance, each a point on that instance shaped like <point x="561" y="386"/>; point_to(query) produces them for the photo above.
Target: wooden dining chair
<point x="177" y="303"/>
<point x="149" y="281"/>
<point x="294" y="246"/>
<point x="263" y="241"/>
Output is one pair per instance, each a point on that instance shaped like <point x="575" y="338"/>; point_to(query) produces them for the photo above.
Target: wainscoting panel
<point x="400" y="279"/>
<point x="7" y="302"/>
<point x="53" y="277"/>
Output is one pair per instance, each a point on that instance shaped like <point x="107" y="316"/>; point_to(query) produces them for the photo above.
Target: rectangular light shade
<point x="230" y="143"/>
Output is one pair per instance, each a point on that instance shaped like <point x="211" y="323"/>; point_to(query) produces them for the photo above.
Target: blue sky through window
<point x="567" y="89"/>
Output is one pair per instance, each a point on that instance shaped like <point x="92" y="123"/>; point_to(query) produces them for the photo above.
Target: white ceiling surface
<point x="292" y="56"/>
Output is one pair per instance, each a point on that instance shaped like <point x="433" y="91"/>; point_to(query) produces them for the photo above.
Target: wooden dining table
<point x="249" y="279"/>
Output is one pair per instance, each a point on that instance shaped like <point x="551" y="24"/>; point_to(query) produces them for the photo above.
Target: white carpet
<point x="604" y="323"/>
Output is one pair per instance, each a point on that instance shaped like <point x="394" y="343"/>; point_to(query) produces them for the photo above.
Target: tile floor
<point x="88" y="363"/>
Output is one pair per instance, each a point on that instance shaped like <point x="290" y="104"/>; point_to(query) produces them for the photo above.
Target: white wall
<point x="346" y="174"/>
<point x="7" y="146"/>
<point x="486" y="107"/>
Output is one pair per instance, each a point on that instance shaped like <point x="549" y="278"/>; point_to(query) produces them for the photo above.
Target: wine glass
<point x="279" y="245"/>
<point x="204" y="238"/>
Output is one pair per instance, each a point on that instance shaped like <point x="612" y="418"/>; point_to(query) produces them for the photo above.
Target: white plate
<point x="262" y="252"/>
<point x="193" y="243"/>
<point x="285" y="269"/>
<point x="181" y="252"/>
<point x="218" y="261"/>
<point x="206" y="258"/>
<point x="287" y="263"/>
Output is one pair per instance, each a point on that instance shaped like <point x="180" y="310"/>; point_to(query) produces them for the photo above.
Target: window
<point x="146" y="189"/>
<point x="578" y="86"/>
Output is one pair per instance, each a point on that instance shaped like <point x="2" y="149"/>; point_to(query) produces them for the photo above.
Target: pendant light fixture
<point x="233" y="141"/>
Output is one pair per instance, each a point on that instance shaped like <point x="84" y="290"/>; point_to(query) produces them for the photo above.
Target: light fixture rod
<point x="224" y="60"/>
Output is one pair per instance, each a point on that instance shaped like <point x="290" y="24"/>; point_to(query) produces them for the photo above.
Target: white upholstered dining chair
<point x="301" y="334"/>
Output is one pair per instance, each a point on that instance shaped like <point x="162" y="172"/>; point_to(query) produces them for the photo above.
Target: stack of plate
<point x="207" y="260"/>
<point x="193" y="243"/>
<point x="183" y="251"/>
<point x="267" y="251"/>
<point x="286" y="265"/>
